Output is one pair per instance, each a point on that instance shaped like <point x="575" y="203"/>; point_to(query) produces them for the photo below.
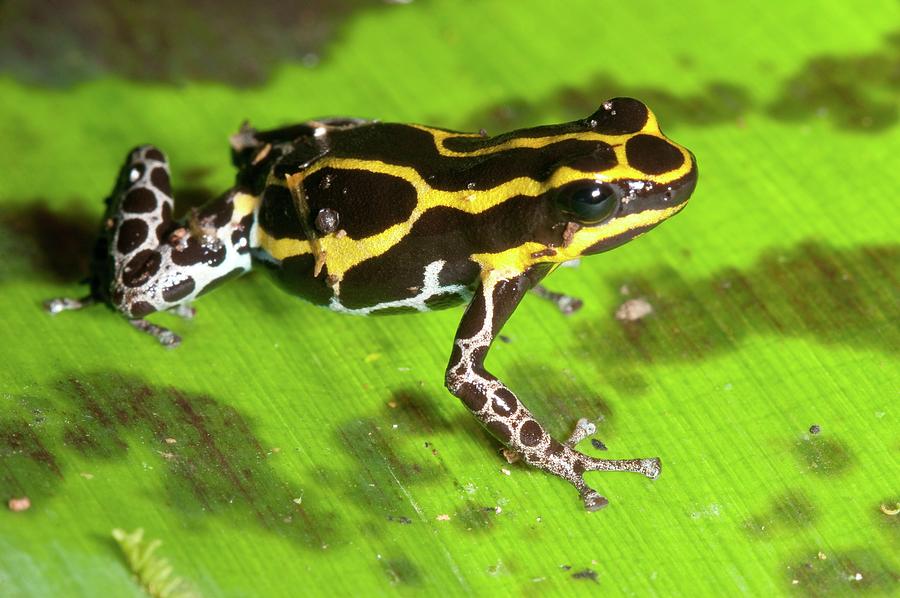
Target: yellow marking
<point x="517" y="259"/>
<point x="343" y="253"/>
<point x="651" y="127"/>
<point x="516" y="142"/>
<point x="244" y="204"/>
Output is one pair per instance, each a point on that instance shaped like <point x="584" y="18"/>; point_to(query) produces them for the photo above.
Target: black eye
<point x="589" y="203"/>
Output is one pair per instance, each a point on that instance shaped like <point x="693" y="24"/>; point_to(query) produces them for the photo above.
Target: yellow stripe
<point x="343" y="253"/>
<point x="516" y="260"/>
<point x="651" y="127"/>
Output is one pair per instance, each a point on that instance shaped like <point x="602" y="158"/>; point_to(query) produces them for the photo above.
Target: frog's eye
<point x="589" y="203"/>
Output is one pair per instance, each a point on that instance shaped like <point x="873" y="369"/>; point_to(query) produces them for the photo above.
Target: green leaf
<point x="286" y="450"/>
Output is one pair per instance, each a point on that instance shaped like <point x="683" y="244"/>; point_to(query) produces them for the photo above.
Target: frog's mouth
<point x="649" y="209"/>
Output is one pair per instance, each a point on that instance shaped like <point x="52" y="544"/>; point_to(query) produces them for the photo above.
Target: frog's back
<point x="382" y="216"/>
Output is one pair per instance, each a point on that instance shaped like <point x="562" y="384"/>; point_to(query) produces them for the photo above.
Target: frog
<point x="365" y="218"/>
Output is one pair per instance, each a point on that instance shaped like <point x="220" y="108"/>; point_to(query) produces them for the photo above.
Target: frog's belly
<point x="378" y="287"/>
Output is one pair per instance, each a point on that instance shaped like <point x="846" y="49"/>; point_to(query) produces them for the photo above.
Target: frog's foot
<point x="564" y="303"/>
<point x="61" y="304"/>
<point x="166" y="337"/>
<point x="593" y="500"/>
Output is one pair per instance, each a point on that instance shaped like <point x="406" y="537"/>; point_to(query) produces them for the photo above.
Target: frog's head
<point x="635" y="179"/>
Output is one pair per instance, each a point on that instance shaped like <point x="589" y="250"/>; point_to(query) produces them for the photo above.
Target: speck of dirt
<point x="19" y="504"/>
<point x="815" y="429"/>
<point x="588" y="574"/>
<point x="598" y="444"/>
<point x="634" y="310"/>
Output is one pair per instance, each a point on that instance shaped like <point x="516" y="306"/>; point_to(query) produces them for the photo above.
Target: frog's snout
<point x="680" y="191"/>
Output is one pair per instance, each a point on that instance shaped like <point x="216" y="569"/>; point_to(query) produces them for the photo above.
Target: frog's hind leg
<point x="146" y="261"/>
<point x="502" y="412"/>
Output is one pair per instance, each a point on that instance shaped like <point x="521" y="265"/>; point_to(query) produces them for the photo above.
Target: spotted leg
<point x="501" y="411"/>
<point x="145" y="261"/>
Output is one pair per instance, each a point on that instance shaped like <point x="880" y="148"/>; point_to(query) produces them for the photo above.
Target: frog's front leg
<point x="146" y="262"/>
<point x="500" y="410"/>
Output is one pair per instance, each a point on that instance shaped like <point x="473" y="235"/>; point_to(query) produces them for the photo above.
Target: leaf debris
<point x="153" y="573"/>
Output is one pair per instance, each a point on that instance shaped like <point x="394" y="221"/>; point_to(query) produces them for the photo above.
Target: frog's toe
<point x="583" y="429"/>
<point x="61" y="304"/>
<point x="649" y="467"/>
<point x="164" y="336"/>
<point x="593" y="500"/>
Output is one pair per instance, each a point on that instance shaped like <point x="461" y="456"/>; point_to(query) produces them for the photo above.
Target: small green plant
<point x="153" y="572"/>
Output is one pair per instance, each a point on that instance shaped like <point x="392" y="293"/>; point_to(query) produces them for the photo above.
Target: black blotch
<point x="367" y="202"/>
<point x="179" y="290"/>
<point x="141" y="267"/>
<point x="787" y="513"/>
<point x="160" y="179"/>
<point x="530" y="433"/>
<point x="217" y="213"/>
<point x="132" y="233"/>
<point x="37" y="241"/>
<point x="216" y="469"/>
<point x="861" y="570"/>
<point x="620" y="116"/>
<point x="500" y="431"/>
<point x="197" y="251"/>
<point x="652" y="155"/>
<point x="154" y="154"/>
<point x="139" y="200"/>
<point x="823" y="455"/>
<point x="831" y="295"/>
<point x="139" y="309"/>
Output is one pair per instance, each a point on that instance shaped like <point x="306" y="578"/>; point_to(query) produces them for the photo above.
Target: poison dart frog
<point x="366" y="218"/>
